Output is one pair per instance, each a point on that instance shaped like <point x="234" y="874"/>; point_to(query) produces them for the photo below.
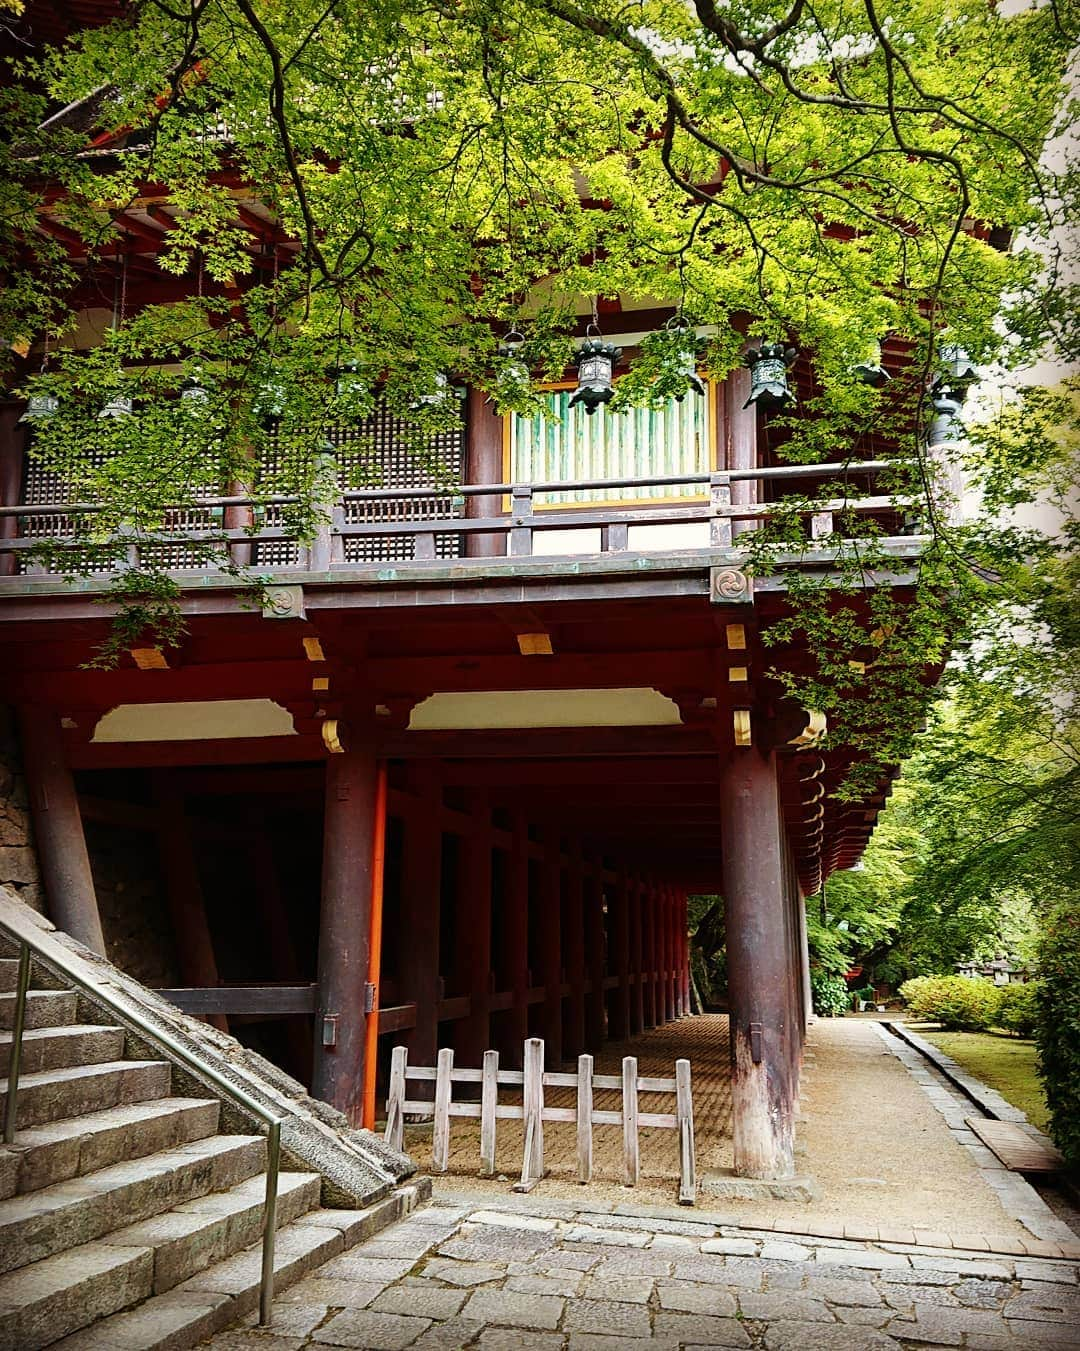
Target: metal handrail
<point x="179" y="1051"/>
<point x="765" y="473"/>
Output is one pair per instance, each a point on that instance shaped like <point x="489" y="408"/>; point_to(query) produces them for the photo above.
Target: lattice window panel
<point x="41" y="485"/>
<point x="377" y="453"/>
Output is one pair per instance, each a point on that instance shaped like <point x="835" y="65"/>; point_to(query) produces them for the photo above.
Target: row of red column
<point x="581" y="952"/>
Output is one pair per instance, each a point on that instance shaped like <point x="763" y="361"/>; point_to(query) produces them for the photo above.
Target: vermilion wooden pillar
<point x="669" y="955"/>
<point x="344" y="928"/>
<point x="637" y="965"/>
<point x="516" y="931"/>
<point x="421" y="887"/>
<point x="595" y="957"/>
<point x="483" y="464"/>
<point x="762" y="1077"/>
<point x="685" y="931"/>
<point x="649" y="956"/>
<point x="551" y="946"/>
<point x="184" y="893"/>
<point x="472" y="1035"/>
<point x="620" y="932"/>
<point x="58" y="828"/>
<point x="574" y="948"/>
<point x="12" y="459"/>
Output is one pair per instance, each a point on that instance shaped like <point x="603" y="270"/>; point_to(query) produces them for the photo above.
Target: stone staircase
<point x="127" y="1218"/>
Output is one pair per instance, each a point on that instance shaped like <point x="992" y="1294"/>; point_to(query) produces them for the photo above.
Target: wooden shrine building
<point x="452" y="779"/>
<point x="544" y="715"/>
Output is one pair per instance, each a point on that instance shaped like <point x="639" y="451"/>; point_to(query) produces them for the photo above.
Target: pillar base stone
<point x="723" y="1182"/>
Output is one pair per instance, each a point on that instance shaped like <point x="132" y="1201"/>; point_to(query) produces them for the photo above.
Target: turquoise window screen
<point x="566" y="443"/>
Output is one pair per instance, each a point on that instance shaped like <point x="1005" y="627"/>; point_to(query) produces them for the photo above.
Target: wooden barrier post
<point x="584" y="1117"/>
<point x="440" y="1140"/>
<point x="489" y="1096"/>
<point x="395" y="1101"/>
<point x="532" y="1167"/>
<point x="631" y="1153"/>
<point x="684" y="1112"/>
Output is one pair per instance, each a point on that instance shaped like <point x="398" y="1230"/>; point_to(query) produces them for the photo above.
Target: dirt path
<point x="869" y="1137"/>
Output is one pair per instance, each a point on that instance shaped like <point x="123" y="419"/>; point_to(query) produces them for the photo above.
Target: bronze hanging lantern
<point x="769" y="388"/>
<point x="515" y="371"/>
<point x="120" y="406"/>
<point x="684" y="356"/>
<point x="348" y="386"/>
<point x="436" y="396"/>
<point x="595" y="370"/>
<point x="40" y="407"/>
<point x="957" y="374"/>
<point x="871" y="372"/>
<point x="194" y="396"/>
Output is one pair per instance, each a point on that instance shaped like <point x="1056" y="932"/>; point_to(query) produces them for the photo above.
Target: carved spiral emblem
<point x="729" y="584"/>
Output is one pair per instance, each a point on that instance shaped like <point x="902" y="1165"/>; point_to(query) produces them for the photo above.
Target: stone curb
<point x="892" y="1238"/>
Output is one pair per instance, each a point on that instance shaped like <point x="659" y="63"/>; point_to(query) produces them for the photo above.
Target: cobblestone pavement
<point x="549" y="1277"/>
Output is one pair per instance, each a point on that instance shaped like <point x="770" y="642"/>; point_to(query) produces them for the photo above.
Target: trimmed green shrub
<point x="829" y="993"/>
<point x="1058" y="1028"/>
<point x="1018" y="1008"/>
<point x="960" y="1002"/>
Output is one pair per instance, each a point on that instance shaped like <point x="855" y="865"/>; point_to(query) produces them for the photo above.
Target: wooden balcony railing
<point x="421" y="525"/>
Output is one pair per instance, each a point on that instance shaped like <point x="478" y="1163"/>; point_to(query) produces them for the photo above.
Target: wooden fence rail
<point x="426" y="514"/>
<point x="532" y="1080"/>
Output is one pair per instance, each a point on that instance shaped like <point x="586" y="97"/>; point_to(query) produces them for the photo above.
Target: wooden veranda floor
<point x="701" y="1040"/>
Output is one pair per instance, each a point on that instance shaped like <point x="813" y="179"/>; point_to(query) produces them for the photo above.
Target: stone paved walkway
<point x="552" y="1277"/>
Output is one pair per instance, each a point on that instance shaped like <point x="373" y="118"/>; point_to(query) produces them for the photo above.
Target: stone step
<point x="44" y="1302"/>
<point x="210" y="1301"/>
<point x="54" y="1048"/>
<point x="69" y="1214"/>
<point x="9" y="974"/>
<point x="74" y="1146"/>
<point x="44" y="1008"/>
<point x="195" y="1234"/>
<point x="53" y="1095"/>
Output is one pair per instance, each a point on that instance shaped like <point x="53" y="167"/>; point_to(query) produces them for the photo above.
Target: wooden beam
<point x="282" y="1001"/>
<point x="574" y="949"/>
<point x="551" y="952"/>
<point x="763" y="1096"/>
<point x="184" y="891"/>
<point x="58" y="830"/>
<point x="473" y="935"/>
<point x="421" y="886"/>
<point x="344" y="929"/>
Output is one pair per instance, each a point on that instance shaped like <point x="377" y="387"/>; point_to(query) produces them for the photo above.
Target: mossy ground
<point x="1007" y="1064"/>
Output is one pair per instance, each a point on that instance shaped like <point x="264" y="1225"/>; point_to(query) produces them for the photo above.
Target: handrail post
<point x="521" y="519"/>
<point x="325" y="498"/>
<point x="266" y="1282"/>
<point x="719" y="500"/>
<point x="17" y="1023"/>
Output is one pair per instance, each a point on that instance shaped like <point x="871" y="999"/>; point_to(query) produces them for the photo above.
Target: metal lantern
<point x="957" y="369"/>
<point x="684" y="357"/>
<point x="436" y="397"/>
<point x="515" y="372"/>
<point x="946" y="425"/>
<point x="595" y="366"/>
<point x="194" y="396"/>
<point x="119" y="406"/>
<point x="348" y="385"/>
<point x="268" y="405"/>
<point x="40" y="407"/>
<point x="769" y="388"/>
<point x="871" y="371"/>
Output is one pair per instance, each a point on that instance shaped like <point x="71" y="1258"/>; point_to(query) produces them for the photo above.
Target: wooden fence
<point x="532" y="1080"/>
